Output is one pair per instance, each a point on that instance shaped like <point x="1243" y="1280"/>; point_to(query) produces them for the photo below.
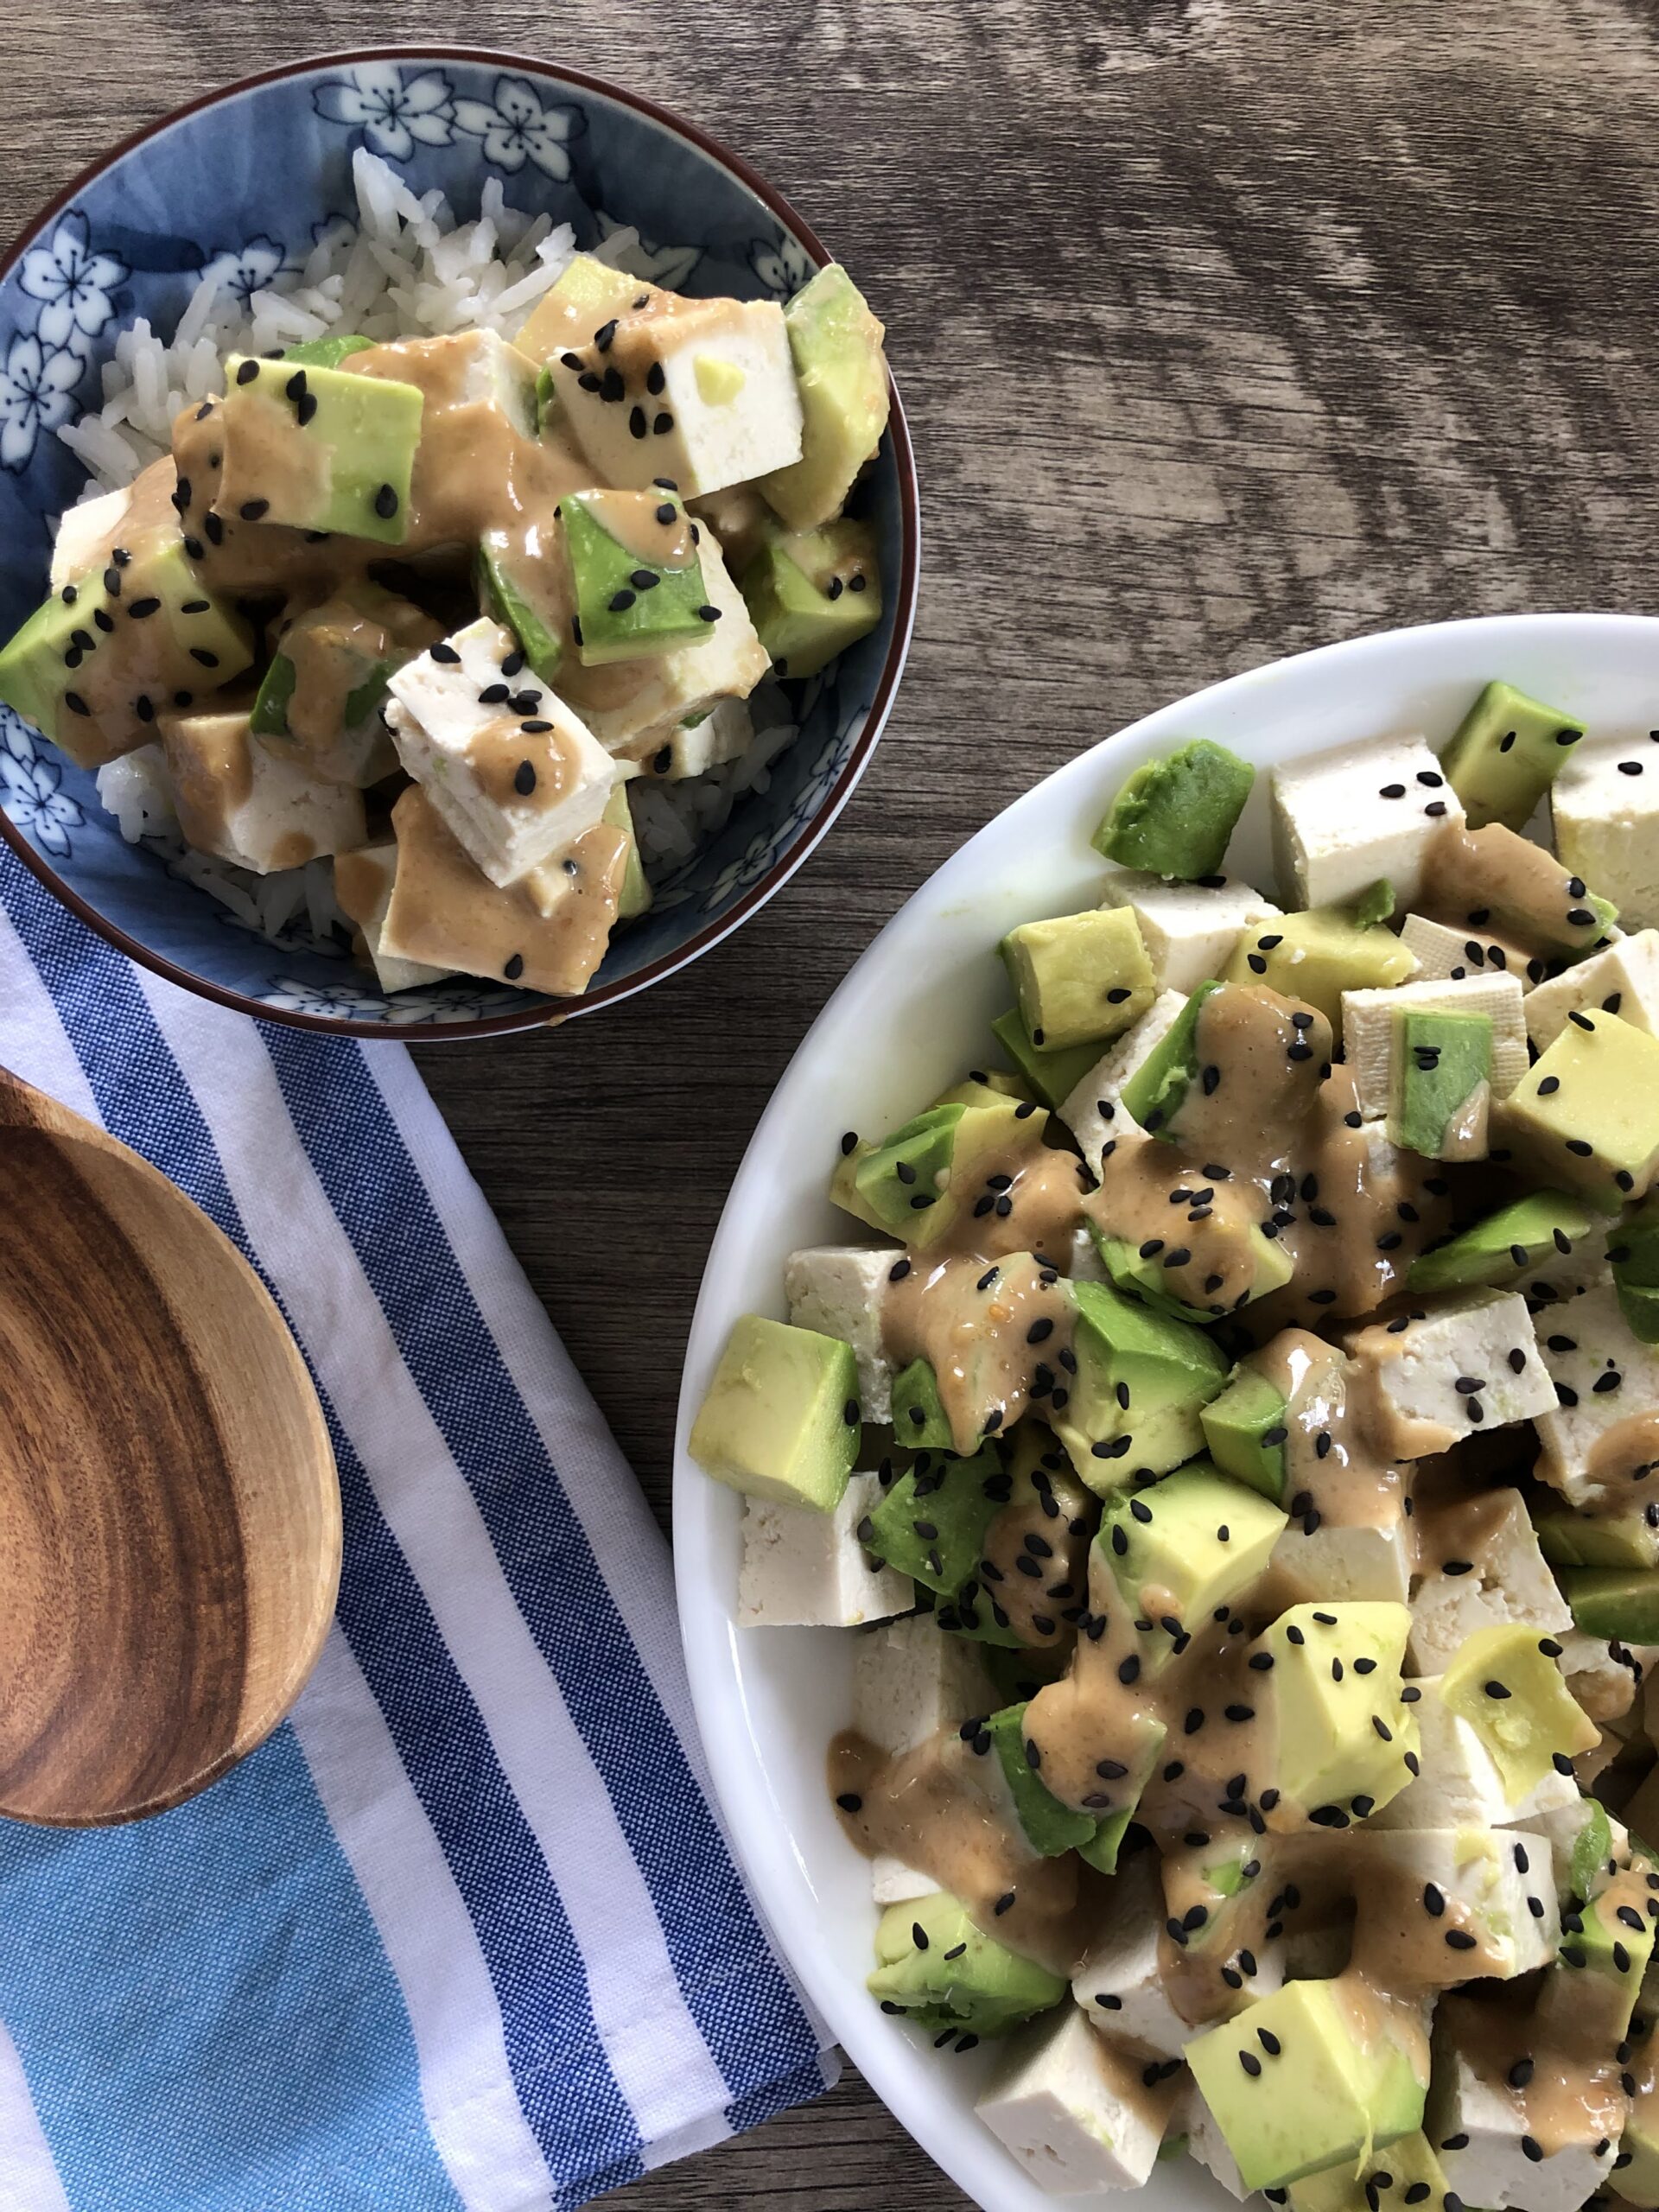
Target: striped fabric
<point x="465" y="1933"/>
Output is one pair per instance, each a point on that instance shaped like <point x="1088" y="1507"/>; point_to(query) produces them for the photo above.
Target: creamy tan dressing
<point x="972" y="1320"/>
<point x="549" y="931"/>
<point x="1469" y="874"/>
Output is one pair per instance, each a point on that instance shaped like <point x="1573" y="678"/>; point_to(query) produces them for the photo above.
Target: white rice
<point x="403" y="267"/>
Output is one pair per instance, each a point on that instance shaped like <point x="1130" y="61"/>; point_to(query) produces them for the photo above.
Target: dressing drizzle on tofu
<point x="346" y="505"/>
<point x="1332" y="1673"/>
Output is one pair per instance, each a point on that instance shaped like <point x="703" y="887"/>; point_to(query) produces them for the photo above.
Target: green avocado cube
<point x="318" y="448"/>
<point x="1510" y="1242"/>
<point x="1236" y="1246"/>
<point x="930" y="1522"/>
<point x="1619" y="1603"/>
<point x="1142" y="1381"/>
<point x="1081" y="978"/>
<point x="1634" y="1259"/>
<point x="328" y="678"/>
<point x="812" y="595"/>
<point x="635" y="897"/>
<point x="1407" y="2172"/>
<point x="1606" y="1944"/>
<point x="91" y="667"/>
<point x="918" y="1416"/>
<point x="935" y="1965"/>
<point x="1318" y="954"/>
<point x="1443" y="1072"/>
<point x="914" y="1183"/>
<point x="1154" y="1093"/>
<point x="779" y="1419"/>
<point x="1049" y="1827"/>
<point x="1335" y="1675"/>
<point x="1329" y="2084"/>
<point x="1587" y="1113"/>
<point x="326" y="353"/>
<point x="1192" y="1542"/>
<point x="528" y="596"/>
<point x="636" y="582"/>
<point x="1622" y="1539"/>
<point x="1176" y="816"/>
<point x="841" y="373"/>
<point x="1505" y="753"/>
<point x="1522" y="892"/>
<point x="1053" y="1075"/>
<point x="1245" y="1430"/>
<point x="1511" y="1692"/>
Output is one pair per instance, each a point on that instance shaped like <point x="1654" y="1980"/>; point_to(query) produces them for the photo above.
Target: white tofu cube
<point x="138" y="791"/>
<point x="724" y="733"/>
<point x="702" y="392"/>
<point x="1189" y="929"/>
<point x="1349" y="818"/>
<point x="1369" y="1561"/>
<point x="1481" y="1341"/>
<point x="514" y="773"/>
<point x="893" y="1883"/>
<point x="1624" y="980"/>
<point x="1093" y="1112"/>
<point x="250" y="804"/>
<point x="1443" y="952"/>
<point x="1371" y="1031"/>
<point x="84" y="532"/>
<point x="1204" y="2140"/>
<point x="1477" y="2124"/>
<point x="1074" y="2111"/>
<point x="1604" y="1378"/>
<point x="1508" y="1581"/>
<point x="840" y="1290"/>
<point x="363" y="888"/>
<point x="1479" y="1873"/>
<point x="639" y="706"/>
<point x="910" y="1680"/>
<point x="1605" y="806"/>
<point x="1121" y="1983"/>
<point x="1459" y="1784"/>
<point x="803" y="1569"/>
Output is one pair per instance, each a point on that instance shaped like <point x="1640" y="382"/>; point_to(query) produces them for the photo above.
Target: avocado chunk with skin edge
<point x="1619" y="1604"/>
<point x="840" y="373"/>
<point x="1516" y="1239"/>
<point x="955" y="1976"/>
<point x="812" y="595"/>
<point x="1052" y="1075"/>
<point x="1175" y="817"/>
<point x="1505" y="753"/>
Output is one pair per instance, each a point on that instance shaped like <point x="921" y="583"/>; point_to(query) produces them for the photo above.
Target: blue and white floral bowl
<point x="242" y="182"/>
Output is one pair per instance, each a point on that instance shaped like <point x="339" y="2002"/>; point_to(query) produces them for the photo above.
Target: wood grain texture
<point x="1226" y="327"/>
<point x="169" y="1517"/>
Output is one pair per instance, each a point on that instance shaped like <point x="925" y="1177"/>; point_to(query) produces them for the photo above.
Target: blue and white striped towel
<point x="464" y="1936"/>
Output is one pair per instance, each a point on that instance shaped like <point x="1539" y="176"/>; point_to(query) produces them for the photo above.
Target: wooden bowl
<point x="169" y="1512"/>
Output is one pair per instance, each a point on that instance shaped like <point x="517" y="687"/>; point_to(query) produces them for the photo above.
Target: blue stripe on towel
<point x="708" y="1923"/>
<point x="559" y="2066"/>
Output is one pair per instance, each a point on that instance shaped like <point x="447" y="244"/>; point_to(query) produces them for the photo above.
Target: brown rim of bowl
<point x="546" y="1010"/>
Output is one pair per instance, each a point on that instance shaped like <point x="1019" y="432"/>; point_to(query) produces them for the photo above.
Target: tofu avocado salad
<point x="431" y="608"/>
<point x="1231" y="1437"/>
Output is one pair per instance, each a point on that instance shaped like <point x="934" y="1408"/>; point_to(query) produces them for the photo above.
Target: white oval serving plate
<point x="910" y="1019"/>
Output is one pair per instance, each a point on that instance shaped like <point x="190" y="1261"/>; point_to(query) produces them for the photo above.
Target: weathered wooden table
<point x="1227" y="328"/>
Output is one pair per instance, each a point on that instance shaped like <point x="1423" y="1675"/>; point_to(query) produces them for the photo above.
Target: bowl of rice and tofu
<point x="477" y="555"/>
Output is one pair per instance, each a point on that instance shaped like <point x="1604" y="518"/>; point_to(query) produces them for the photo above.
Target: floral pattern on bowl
<point x="242" y="188"/>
